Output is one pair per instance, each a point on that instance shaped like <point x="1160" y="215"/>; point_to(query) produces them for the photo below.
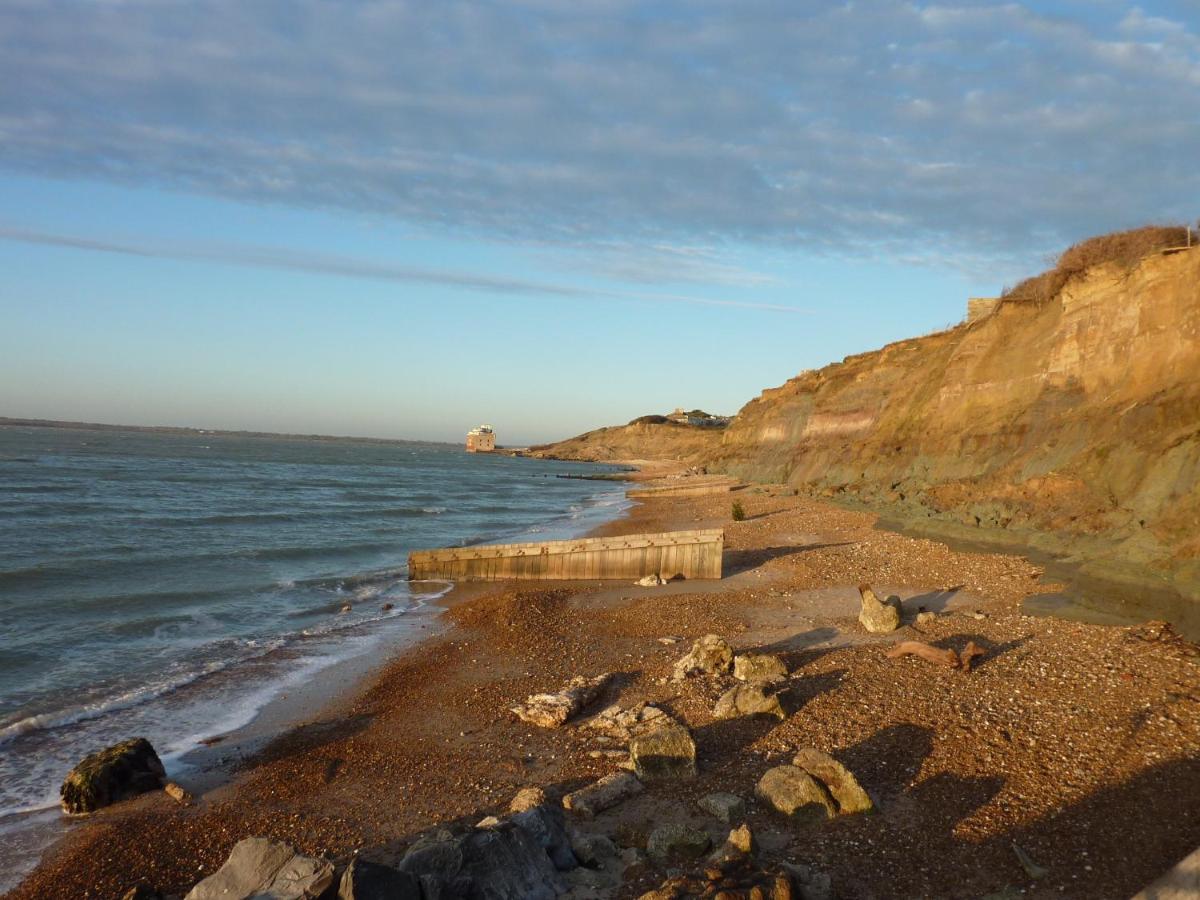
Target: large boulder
<point x="108" y="776"/>
<point x="710" y="655"/>
<point x="793" y="792"/>
<point x="259" y="868"/>
<point x="760" y="667"/>
<point x="508" y="863"/>
<point x="748" y="700"/>
<point x="549" y="829"/>
<point x="877" y="616"/>
<point x="553" y="710"/>
<point x="603" y="794"/>
<point x="364" y="880"/>
<point x="436" y="856"/>
<point x="676" y="842"/>
<point x="847" y="793"/>
<point x="667" y="752"/>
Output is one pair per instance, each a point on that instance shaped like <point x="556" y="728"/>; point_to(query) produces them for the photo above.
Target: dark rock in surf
<point x="109" y="776"/>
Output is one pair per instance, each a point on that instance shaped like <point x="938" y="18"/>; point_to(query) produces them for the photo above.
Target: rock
<point x="548" y="828"/>
<point x="387" y="607"/>
<point x="710" y="655"/>
<point x="761" y="667"/>
<point x="748" y="700"/>
<point x="624" y="724"/>
<point x="487" y="822"/>
<point x="603" y="794"/>
<point x="258" y="867"/>
<point x="666" y="752"/>
<point x="728" y="808"/>
<point x="346" y="607"/>
<point x="1032" y="869"/>
<point x="809" y="884"/>
<point x="847" y="793"/>
<point x="108" y="776"/>
<point x="553" y="710"/>
<point x="438" y="857"/>
<point x="364" y="880"/>
<point x="592" y="850"/>
<point x="141" y="892"/>
<point x="924" y="618"/>
<point x="177" y="792"/>
<point x="675" y="842"/>
<point x="793" y="792"/>
<point x="670" y="639"/>
<point x="876" y="616"/>
<point x="527" y="798"/>
<point x="508" y="863"/>
<point x="649" y="581"/>
<point x="739" y="844"/>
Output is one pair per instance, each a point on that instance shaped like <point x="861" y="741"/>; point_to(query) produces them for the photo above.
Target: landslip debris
<point x="553" y="710"/>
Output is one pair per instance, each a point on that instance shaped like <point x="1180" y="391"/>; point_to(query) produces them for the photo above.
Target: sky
<point x="402" y="219"/>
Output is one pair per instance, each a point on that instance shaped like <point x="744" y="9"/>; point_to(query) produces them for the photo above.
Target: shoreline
<point x="788" y="582"/>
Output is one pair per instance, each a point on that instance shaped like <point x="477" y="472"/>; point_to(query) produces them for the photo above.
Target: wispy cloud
<point x="995" y="127"/>
<point x="349" y="267"/>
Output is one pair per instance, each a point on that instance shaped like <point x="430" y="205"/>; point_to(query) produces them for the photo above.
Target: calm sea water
<point x="169" y="585"/>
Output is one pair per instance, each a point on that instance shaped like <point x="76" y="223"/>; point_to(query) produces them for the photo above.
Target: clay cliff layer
<point x="1071" y="424"/>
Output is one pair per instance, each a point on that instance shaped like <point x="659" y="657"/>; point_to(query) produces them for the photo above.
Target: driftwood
<point x="937" y="655"/>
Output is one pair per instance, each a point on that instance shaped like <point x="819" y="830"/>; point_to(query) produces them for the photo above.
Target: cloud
<point x="349" y="267"/>
<point x="989" y="128"/>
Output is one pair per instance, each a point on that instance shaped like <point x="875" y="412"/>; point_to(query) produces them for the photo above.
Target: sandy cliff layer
<point x="636" y="442"/>
<point x="1072" y="425"/>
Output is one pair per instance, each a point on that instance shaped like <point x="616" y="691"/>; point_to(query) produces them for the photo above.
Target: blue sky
<point x="404" y="218"/>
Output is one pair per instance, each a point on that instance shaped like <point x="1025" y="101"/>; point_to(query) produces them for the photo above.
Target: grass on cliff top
<point x="1125" y="248"/>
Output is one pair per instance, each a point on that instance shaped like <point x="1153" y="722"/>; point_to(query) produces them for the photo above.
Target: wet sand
<point x="1079" y="742"/>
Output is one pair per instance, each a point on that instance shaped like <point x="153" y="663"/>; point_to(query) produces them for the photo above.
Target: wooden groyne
<point x="692" y="554"/>
<point x="685" y="488"/>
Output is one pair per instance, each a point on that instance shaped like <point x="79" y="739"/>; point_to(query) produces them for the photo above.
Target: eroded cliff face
<point x="1072" y="425"/>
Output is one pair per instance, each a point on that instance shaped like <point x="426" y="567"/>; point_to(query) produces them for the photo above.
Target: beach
<point x="1078" y="743"/>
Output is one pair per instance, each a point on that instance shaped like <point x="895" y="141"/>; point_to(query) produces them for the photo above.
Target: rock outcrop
<point x="108" y="776"/>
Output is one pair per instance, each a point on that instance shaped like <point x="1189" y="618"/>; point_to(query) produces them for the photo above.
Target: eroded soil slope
<point x="1071" y="424"/>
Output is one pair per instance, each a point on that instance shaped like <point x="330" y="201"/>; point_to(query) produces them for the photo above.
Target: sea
<point x="171" y="585"/>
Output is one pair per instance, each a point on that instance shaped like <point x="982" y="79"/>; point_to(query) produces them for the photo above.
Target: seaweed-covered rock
<point x="108" y="776"/>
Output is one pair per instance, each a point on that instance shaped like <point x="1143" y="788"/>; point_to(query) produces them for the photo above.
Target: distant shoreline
<point x="207" y="432"/>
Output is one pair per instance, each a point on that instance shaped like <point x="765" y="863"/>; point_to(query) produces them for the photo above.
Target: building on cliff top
<point x="481" y="439"/>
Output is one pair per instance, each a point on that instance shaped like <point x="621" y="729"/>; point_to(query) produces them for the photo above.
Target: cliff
<point x="636" y="442"/>
<point x="1067" y="421"/>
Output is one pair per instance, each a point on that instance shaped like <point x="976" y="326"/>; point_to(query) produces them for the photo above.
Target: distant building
<point x="698" y="418"/>
<point x="481" y="439"/>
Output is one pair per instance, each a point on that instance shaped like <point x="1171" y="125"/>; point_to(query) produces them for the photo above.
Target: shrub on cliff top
<point x="1125" y="248"/>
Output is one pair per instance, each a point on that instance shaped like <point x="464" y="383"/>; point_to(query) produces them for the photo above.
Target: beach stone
<point x="141" y="892"/>
<point x="177" y="792"/>
<point x="667" y="752"/>
<point x="726" y="807"/>
<point x="258" y="867"/>
<point x="924" y="618"/>
<point x="527" y="798"/>
<point x="838" y="780"/>
<point x="108" y="776"/>
<point x="748" y="700"/>
<point x="876" y="616"/>
<point x="738" y="845"/>
<point x="549" y="829"/>
<point x="675" y="842"/>
<point x="652" y="580"/>
<point x="761" y="667"/>
<point x="487" y="822"/>
<point x="508" y="863"/>
<point x="793" y="792"/>
<point x="553" y="710"/>
<point x="603" y="794"/>
<point x="710" y="655"/>
<point x="364" y="880"/>
<point x="592" y="850"/>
